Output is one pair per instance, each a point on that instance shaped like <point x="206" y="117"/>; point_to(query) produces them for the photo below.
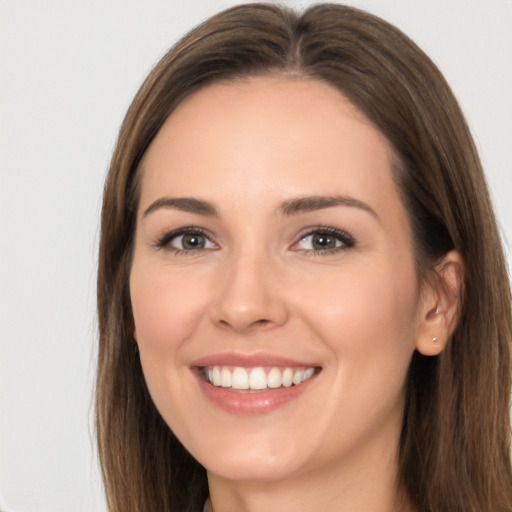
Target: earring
<point x="434" y="339"/>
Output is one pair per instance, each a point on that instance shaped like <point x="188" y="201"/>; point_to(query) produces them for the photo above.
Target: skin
<point x="257" y="286"/>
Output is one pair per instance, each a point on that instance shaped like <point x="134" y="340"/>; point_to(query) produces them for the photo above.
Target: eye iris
<point x="323" y="241"/>
<point x="193" y="241"/>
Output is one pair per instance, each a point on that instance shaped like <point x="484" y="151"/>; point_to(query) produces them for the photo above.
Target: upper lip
<point x="250" y="360"/>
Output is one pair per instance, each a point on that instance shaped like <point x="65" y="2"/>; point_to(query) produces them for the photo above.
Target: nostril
<point x="256" y="324"/>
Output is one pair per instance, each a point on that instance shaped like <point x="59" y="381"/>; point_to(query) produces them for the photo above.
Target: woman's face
<point x="273" y="283"/>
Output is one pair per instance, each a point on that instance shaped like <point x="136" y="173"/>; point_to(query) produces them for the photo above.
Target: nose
<point x="251" y="296"/>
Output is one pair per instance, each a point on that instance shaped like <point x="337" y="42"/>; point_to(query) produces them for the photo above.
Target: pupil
<point x="193" y="241"/>
<point x="323" y="242"/>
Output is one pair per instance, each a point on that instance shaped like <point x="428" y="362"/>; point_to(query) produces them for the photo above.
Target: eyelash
<point x="347" y="240"/>
<point x="165" y="241"/>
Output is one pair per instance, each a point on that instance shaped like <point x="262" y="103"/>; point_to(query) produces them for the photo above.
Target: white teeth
<point x="225" y="378"/>
<point x="308" y="374"/>
<point x="240" y="378"/>
<point x="274" y="378"/>
<point x="287" y="377"/>
<point x="256" y="378"/>
<point x="216" y="378"/>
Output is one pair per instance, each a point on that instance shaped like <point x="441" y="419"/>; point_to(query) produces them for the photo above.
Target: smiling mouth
<point x="258" y="379"/>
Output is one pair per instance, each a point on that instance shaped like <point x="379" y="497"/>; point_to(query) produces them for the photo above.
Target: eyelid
<point x="346" y="239"/>
<point x="164" y="241"/>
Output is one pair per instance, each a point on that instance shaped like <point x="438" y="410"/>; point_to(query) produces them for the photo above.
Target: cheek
<point x="363" y="294"/>
<point x="166" y="307"/>
<point x="367" y="316"/>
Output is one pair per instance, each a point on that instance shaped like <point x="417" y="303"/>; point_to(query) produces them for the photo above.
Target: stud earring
<point x="434" y="339"/>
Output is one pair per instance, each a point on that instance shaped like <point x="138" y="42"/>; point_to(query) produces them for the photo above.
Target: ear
<point x="439" y="309"/>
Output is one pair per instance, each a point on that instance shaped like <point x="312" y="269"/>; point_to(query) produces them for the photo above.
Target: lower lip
<point x="251" y="403"/>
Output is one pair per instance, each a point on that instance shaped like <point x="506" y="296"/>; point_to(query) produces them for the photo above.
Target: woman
<point x="303" y="301"/>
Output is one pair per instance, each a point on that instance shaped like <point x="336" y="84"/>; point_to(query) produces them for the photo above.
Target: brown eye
<point x="192" y="241"/>
<point x="325" y="241"/>
<point x="188" y="241"/>
<point x="322" y="241"/>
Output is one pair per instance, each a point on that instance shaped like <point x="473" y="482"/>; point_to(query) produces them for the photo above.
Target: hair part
<point x="455" y="444"/>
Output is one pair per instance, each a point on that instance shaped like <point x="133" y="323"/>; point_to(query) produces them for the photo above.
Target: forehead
<point x="265" y="138"/>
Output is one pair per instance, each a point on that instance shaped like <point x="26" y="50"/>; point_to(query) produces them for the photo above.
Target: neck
<point x="366" y="482"/>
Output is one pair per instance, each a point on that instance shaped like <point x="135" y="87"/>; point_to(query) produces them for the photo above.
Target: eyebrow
<point x="185" y="204"/>
<point x="312" y="203"/>
<point x="288" y="208"/>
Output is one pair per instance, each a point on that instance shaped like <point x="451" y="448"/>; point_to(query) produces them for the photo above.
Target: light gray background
<point x="68" y="72"/>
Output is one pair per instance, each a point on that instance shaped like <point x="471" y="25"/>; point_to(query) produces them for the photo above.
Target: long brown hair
<point x="455" y="445"/>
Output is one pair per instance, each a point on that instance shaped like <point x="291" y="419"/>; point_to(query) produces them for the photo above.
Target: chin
<point x="256" y="457"/>
<point x="259" y="468"/>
